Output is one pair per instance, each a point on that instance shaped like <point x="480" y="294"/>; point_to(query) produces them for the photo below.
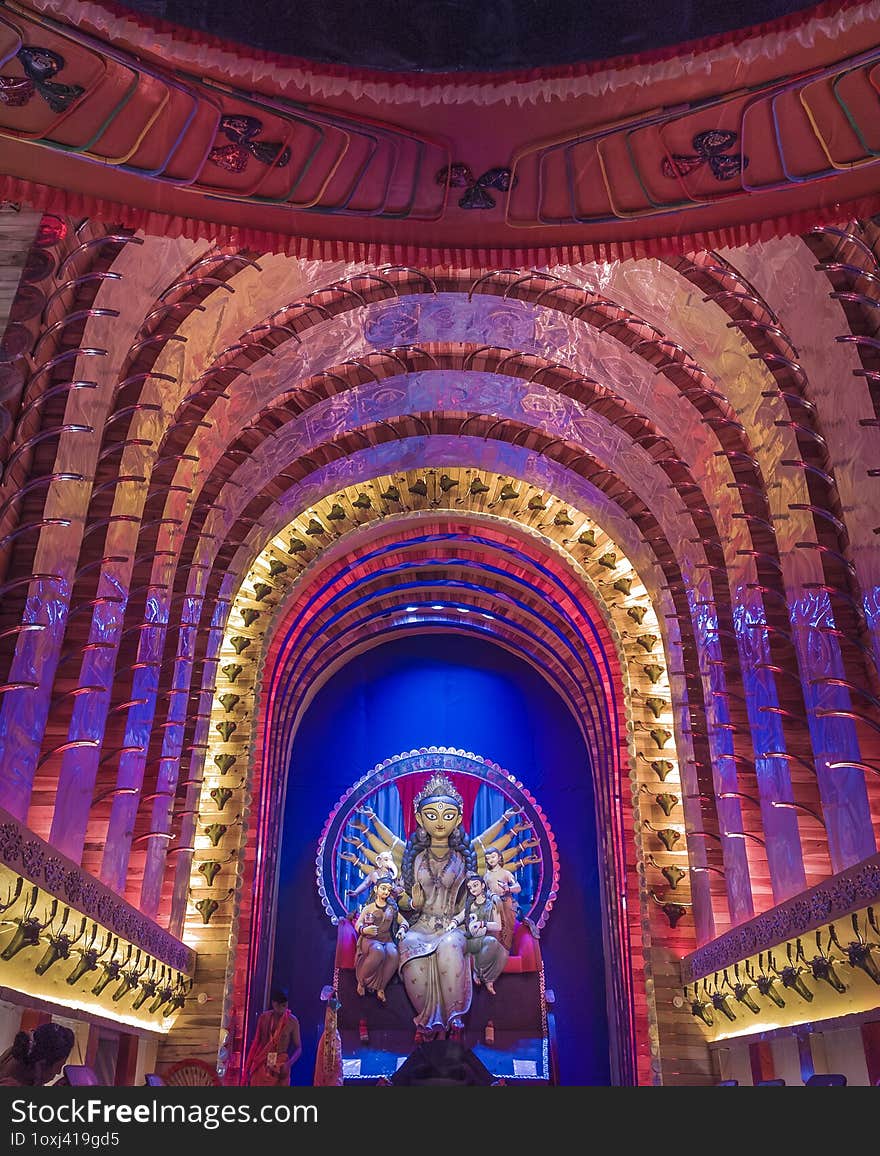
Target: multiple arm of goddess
<point x="381" y="850"/>
<point x="382" y="853"/>
<point x="506" y="842"/>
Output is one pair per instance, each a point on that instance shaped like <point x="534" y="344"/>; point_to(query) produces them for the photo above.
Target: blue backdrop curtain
<point x="464" y="693"/>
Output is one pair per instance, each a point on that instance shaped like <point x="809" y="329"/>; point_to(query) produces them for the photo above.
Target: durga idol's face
<point x="439" y="819"/>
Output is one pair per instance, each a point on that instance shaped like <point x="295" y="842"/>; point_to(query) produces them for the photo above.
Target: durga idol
<point x="433" y="961"/>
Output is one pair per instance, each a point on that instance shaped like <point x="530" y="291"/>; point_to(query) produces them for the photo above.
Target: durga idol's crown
<point x="438" y="787"/>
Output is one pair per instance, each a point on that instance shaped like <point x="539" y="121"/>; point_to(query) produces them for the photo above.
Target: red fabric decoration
<point x="76" y="204"/>
<point x="408" y="786"/>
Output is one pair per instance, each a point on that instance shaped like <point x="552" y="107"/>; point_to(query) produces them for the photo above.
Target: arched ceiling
<point x="586" y="363"/>
<point x="184" y="405"/>
<point x="228" y="472"/>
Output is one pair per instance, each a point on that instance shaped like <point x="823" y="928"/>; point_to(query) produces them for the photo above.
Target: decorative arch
<point x="273" y="607"/>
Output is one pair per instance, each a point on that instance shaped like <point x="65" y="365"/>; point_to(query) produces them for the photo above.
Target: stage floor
<point x="519" y="1052"/>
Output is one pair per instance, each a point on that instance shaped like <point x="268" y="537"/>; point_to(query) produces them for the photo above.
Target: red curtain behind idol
<point x="409" y="786"/>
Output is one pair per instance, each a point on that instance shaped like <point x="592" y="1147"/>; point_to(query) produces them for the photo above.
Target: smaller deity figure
<point x="385" y="868"/>
<point x="482" y="924"/>
<point x="378" y="925"/>
<point x="504" y="886"/>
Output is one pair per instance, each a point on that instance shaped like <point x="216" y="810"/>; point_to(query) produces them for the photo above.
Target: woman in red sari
<point x="276" y="1046"/>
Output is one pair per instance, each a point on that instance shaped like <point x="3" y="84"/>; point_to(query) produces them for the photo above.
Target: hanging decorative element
<point x="660" y="736"/>
<point x="666" y="802"/>
<point x="210" y="869"/>
<point x="821" y="965"/>
<point x="215" y="832"/>
<point x="29" y="927"/>
<point x="476" y="196"/>
<point x="89" y="956"/>
<point x="221" y="796"/>
<point x="59" y="943"/>
<point x="673" y="875"/>
<point x="672" y="911"/>
<point x="668" y="836"/>
<point x="742" y="991"/>
<point x="40" y="65"/>
<point x="701" y="1008"/>
<point x="243" y="131"/>
<point x="208" y="907"/>
<point x="860" y="951"/>
<point x="710" y="147"/>
<point x="721" y="1002"/>
<point x="662" y="768"/>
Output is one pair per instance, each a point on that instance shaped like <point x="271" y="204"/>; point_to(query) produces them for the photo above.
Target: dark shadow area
<point x="460" y="35"/>
<point x="442" y="1062"/>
